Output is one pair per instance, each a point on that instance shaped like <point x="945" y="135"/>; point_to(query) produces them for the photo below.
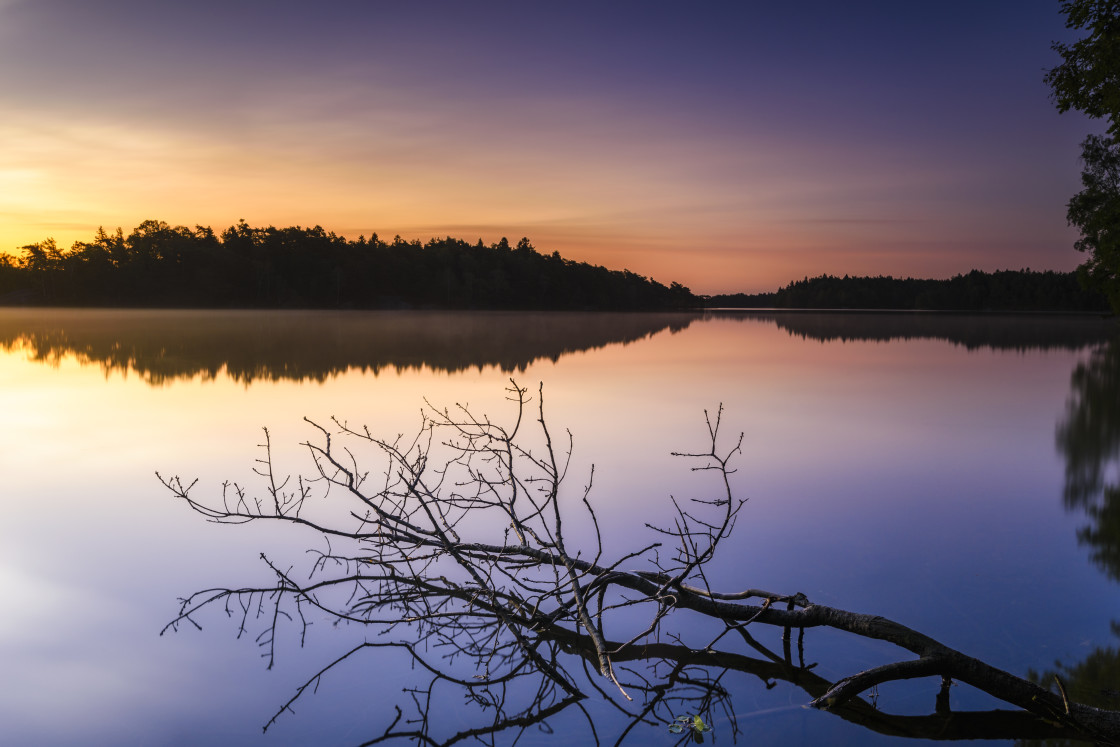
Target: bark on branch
<point x="464" y="547"/>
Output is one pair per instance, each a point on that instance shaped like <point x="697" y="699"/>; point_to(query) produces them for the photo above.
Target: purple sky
<point x="730" y="146"/>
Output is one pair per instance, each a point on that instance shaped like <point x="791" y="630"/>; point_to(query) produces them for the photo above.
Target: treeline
<point x="1005" y="290"/>
<point x="158" y="265"/>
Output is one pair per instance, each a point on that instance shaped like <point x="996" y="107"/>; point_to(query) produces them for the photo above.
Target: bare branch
<point x="461" y="554"/>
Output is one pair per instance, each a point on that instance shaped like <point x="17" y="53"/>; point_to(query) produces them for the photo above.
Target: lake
<point x="953" y="473"/>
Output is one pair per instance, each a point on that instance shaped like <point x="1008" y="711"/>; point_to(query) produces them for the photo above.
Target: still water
<point x="956" y="474"/>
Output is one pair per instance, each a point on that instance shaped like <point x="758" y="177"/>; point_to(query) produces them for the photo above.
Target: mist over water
<point x="948" y="472"/>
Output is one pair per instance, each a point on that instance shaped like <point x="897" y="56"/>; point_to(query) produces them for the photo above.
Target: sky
<point x="730" y="146"/>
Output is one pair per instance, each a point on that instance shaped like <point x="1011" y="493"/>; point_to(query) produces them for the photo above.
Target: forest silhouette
<point x="160" y="266"/>
<point x="1005" y="290"/>
<point x="157" y="265"/>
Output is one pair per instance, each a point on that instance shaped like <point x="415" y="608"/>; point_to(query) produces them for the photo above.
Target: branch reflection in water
<point x="472" y="553"/>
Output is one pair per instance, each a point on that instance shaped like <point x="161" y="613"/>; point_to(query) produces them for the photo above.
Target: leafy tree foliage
<point x="1095" y="210"/>
<point x="1007" y="290"/>
<point x="158" y="265"/>
<point x="1088" y="80"/>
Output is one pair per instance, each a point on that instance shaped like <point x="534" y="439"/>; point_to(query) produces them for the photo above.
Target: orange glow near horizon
<point x="718" y="221"/>
<point x="722" y="181"/>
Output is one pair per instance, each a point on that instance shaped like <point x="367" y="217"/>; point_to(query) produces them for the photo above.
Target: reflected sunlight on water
<point x="915" y="478"/>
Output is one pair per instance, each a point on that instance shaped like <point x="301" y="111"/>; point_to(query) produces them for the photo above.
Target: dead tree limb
<point x="463" y="546"/>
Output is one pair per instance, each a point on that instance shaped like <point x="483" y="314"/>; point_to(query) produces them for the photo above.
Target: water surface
<point x="954" y="473"/>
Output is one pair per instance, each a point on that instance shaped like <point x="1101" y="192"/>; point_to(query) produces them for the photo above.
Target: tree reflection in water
<point x="469" y="553"/>
<point x="162" y="346"/>
<point x="1088" y="437"/>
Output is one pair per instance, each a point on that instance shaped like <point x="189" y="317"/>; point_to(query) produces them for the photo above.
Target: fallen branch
<point x="462" y="549"/>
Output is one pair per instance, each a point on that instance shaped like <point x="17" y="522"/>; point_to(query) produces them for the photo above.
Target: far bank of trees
<point x="1006" y="290"/>
<point x="157" y="265"/>
<point x="161" y="266"/>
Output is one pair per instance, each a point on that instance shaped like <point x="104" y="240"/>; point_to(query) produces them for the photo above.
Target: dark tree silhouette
<point x="1088" y="80"/>
<point x="1006" y="290"/>
<point x="465" y="552"/>
<point x="158" y="265"/>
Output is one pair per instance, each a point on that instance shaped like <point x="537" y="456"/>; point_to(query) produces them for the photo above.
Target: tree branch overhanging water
<point x="461" y="554"/>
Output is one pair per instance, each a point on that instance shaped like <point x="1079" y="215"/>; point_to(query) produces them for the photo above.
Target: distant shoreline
<point x="976" y="291"/>
<point x="163" y="266"/>
<point x="1106" y="314"/>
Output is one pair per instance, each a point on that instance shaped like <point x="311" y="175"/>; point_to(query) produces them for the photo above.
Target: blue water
<point x="896" y="465"/>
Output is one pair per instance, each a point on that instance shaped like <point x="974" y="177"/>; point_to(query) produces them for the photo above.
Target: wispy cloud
<point x="721" y="149"/>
